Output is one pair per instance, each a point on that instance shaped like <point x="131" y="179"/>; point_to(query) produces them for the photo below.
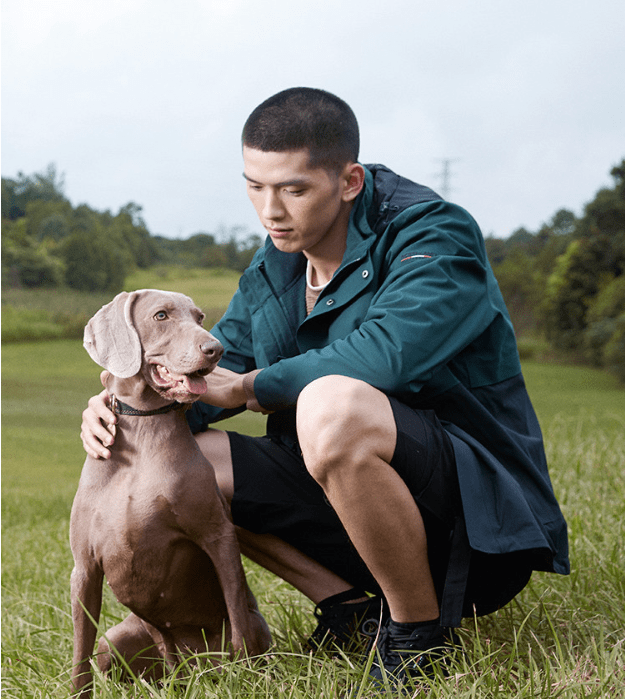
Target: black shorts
<point x="274" y="493"/>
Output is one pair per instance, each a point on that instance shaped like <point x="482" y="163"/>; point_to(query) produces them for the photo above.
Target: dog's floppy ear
<point x="111" y="339"/>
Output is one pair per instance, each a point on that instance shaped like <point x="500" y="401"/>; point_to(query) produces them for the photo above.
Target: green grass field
<point x="562" y="637"/>
<point x="50" y="314"/>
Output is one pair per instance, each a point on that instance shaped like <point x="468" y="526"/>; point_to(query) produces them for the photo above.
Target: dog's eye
<point x="200" y="320"/>
<point x="161" y="315"/>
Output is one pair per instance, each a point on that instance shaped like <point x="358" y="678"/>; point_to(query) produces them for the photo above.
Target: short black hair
<point x="305" y="117"/>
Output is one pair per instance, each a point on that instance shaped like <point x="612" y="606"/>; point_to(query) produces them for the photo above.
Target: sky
<point x="144" y="100"/>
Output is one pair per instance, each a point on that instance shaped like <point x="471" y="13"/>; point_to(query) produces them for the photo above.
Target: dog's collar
<point x="120" y="408"/>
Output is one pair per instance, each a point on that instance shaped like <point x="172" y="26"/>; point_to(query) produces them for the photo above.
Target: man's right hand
<point x="97" y="430"/>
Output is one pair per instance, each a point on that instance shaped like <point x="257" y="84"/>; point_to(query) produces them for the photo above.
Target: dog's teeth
<point x="163" y="372"/>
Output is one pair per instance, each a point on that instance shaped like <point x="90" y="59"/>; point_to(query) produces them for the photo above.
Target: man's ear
<point x="353" y="177"/>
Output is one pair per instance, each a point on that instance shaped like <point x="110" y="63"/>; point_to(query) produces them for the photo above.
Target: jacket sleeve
<point x="234" y="333"/>
<point x="437" y="295"/>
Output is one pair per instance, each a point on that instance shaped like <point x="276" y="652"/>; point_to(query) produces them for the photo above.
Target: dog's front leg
<point x="226" y="557"/>
<point x="86" y="591"/>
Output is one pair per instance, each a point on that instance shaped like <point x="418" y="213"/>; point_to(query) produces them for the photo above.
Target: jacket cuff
<point x="248" y="386"/>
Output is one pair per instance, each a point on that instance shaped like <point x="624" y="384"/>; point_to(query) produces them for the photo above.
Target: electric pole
<point x="446" y="176"/>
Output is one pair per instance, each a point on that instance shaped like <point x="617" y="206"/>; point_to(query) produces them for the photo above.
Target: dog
<point x="151" y="519"/>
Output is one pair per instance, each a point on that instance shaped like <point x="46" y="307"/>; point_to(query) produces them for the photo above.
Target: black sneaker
<point x="346" y="627"/>
<point x="405" y="657"/>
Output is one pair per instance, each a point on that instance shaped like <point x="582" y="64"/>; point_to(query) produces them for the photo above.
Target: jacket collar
<point x="360" y="235"/>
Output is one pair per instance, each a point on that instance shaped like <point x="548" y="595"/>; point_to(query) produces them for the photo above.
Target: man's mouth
<point x="193" y="383"/>
<point x="278" y="232"/>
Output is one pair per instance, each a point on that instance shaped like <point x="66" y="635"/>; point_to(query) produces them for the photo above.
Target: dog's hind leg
<point x="131" y="646"/>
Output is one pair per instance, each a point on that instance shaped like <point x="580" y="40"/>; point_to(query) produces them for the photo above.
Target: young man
<point x="402" y="456"/>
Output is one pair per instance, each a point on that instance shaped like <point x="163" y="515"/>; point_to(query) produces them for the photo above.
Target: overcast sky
<point x="144" y="100"/>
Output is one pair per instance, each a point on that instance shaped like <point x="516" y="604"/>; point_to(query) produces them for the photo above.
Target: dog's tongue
<point x="194" y="384"/>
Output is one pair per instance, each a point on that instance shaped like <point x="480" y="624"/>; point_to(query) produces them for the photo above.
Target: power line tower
<point x="445" y="176"/>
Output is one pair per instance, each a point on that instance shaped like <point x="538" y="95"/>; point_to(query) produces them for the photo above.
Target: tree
<point x="521" y="286"/>
<point x="614" y="350"/>
<point x="93" y="263"/>
<point x="26" y="262"/>
<point x="495" y="249"/>
<point x="128" y="229"/>
<point x="563" y="222"/>
<point x="604" y="324"/>
<point x="18" y="193"/>
<point x="606" y="212"/>
<point x="521" y="240"/>
<point x="592" y="262"/>
<point x="247" y="251"/>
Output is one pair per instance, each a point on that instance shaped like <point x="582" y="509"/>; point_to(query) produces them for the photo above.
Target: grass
<point x="561" y="637"/>
<point x="49" y="314"/>
<point x="209" y="288"/>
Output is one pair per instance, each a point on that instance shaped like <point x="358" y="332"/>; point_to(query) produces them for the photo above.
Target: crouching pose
<point x="402" y="456"/>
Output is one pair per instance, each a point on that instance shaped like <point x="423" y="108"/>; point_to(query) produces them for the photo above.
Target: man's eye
<point x="161" y="315"/>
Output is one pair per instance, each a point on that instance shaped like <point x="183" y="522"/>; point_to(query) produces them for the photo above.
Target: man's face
<point x="303" y="209"/>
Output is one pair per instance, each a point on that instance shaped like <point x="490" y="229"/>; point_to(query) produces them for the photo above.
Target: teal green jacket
<point x="415" y="311"/>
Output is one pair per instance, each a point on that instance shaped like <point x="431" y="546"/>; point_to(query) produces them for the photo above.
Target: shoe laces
<point x="341" y="622"/>
<point x="418" y="648"/>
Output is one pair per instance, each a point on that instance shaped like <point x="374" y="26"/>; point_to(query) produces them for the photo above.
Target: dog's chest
<point x="149" y="560"/>
<point x="141" y="522"/>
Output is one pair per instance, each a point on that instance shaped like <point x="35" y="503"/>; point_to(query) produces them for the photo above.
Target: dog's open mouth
<point x="193" y="383"/>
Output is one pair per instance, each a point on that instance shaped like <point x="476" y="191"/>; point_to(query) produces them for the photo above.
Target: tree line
<point x="564" y="282"/>
<point x="47" y="242"/>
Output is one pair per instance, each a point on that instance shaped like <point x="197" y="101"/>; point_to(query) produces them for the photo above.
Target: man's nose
<point x="272" y="207"/>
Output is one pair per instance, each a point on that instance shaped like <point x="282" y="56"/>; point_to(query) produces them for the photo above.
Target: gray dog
<point x="151" y="518"/>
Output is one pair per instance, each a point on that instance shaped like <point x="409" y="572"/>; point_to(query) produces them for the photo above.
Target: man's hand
<point x="224" y="389"/>
<point x="97" y="430"/>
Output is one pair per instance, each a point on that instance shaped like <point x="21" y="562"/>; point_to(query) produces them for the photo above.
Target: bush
<point x="614" y="350"/>
<point x="26" y="262"/>
<point x="27" y="324"/>
<point x="596" y="337"/>
<point x="602" y="316"/>
<point x="534" y="348"/>
<point x="42" y="314"/>
<point x="36" y="268"/>
<point x="93" y="263"/>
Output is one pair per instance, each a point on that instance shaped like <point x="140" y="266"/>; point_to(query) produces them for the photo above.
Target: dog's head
<point x="157" y="333"/>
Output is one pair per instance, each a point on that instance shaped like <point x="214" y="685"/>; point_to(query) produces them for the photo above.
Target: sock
<point x="347" y="597"/>
<point x="407" y="627"/>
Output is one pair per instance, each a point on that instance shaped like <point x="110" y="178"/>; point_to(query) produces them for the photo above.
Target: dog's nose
<point x="213" y="349"/>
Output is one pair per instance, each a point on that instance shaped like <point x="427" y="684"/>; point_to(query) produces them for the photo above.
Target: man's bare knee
<point x="215" y="445"/>
<point x="341" y="423"/>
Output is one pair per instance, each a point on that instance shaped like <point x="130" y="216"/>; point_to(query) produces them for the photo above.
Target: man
<point x="402" y="456"/>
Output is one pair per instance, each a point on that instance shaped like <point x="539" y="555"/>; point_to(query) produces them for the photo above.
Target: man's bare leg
<point x="306" y="575"/>
<point x="347" y="434"/>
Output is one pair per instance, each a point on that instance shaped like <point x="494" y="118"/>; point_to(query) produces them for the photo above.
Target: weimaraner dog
<point x="151" y="518"/>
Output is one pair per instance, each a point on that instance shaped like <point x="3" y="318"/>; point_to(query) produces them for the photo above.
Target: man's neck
<point x="326" y="257"/>
<point x="322" y="270"/>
